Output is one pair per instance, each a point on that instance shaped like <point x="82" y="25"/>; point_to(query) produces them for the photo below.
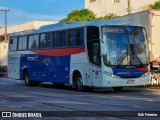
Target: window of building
<point x="13" y="44"/>
<point x="115" y="1"/>
<point x="46" y="40"/>
<point x="22" y="43"/>
<point x="33" y="42"/>
<point x="92" y="0"/>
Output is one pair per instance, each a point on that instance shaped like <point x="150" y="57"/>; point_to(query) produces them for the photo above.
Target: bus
<point x="98" y="54"/>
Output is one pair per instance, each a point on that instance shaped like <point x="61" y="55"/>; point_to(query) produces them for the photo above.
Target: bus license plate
<point x="130" y="81"/>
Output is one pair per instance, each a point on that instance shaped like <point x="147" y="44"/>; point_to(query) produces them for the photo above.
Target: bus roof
<point x="70" y="25"/>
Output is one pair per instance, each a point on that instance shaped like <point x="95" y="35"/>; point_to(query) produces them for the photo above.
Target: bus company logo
<point x="31" y="58"/>
<point x="6" y="114"/>
<point x="124" y="73"/>
<point x="21" y="114"/>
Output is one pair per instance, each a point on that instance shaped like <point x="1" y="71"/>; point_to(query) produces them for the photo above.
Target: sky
<point x="42" y="10"/>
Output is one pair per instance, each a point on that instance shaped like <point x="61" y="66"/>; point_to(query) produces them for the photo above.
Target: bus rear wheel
<point x="116" y="89"/>
<point x="79" y="83"/>
<point x="27" y="80"/>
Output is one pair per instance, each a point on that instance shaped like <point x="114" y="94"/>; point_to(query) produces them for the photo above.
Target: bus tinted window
<point x="33" y="42"/>
<point x="79" y="37"/>
<point x="75" y="37"/>
<point x="45" y="40"/>
<point x="22" y="43"/>
<point x="56" y="39"/>
<point x="93" y="45"/>
<point x="63" y="39"/>
<point x="13" y="44"/>
<point x="92" y="33"/>
<point x="71" y="38"/>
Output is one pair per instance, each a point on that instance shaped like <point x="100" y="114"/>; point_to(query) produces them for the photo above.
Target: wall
<point x="103" y="7"/>
<point x="3" y="53"/>
<point x="155" y="34"/>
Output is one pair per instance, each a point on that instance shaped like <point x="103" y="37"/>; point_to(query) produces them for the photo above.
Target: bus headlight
<point x="145" y="74"/>
<point x="111" y="75"/>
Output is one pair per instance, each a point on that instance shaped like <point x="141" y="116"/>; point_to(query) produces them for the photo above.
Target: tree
<point x="109" y="16"/>
<point x="79" y="15"/>
<point x="85" y="15"/>
<point x="156" y="5"/>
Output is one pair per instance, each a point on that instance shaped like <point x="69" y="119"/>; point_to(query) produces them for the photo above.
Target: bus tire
<point x="79" y="83"/>
<point x="27" y="80"/>
<point x="117" y="89"/>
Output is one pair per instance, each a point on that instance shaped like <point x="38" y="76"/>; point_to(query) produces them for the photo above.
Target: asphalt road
<point x="15" y="96"/>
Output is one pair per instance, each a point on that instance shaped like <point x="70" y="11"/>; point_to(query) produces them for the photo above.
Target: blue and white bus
<point x="108" y="53"/>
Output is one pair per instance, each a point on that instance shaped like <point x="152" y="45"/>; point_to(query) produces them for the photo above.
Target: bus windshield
<point x="125" y="46"/>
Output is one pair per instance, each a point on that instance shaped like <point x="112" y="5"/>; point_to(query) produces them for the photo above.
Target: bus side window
<point x="79" y="37"/>
<point x="45" y="40"/>
<point x="63" y="39"/>
<point x="56" y="39"/>
<point x="93" y="45"/>
<point x="33" y="42"/>
<point x="71" y="38"/>
<point x="11" y="41"/>
<point x="13" y="44"/>
<point x="22" y="43"/>
<point x="75" y="37"/>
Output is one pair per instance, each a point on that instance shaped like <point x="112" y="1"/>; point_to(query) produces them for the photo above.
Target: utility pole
<point x="129" y="7"/>
<point x="5" y="19"/>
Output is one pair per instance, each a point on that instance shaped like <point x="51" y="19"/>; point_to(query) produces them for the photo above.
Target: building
<point x="118" y="7"/>
<point x="23" y="27"/>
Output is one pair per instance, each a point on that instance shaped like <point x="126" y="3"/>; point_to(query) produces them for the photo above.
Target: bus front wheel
<point x="79" y="83"/>
<point x="27" y="80"/>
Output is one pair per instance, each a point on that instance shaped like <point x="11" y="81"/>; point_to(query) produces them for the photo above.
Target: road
<point x="15" y="96"/>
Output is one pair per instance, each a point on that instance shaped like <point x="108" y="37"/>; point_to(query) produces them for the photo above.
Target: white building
<point x="23" y="27"/>
<point x="118" y="7"/>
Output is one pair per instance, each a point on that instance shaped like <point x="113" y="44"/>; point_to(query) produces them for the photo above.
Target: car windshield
<point x="125" y="46"/>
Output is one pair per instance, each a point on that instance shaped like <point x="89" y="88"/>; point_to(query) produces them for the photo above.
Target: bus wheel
<point x="27" y="80"/>
<point x="79" y="83"/>
<point x="116" y="89"/>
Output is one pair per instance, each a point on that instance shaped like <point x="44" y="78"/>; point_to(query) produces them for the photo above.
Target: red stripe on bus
<point x="60" y="52"/>
<point x="143" y="69"/>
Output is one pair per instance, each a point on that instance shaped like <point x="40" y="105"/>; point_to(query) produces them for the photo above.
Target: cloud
<point x="17" y="16"/>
